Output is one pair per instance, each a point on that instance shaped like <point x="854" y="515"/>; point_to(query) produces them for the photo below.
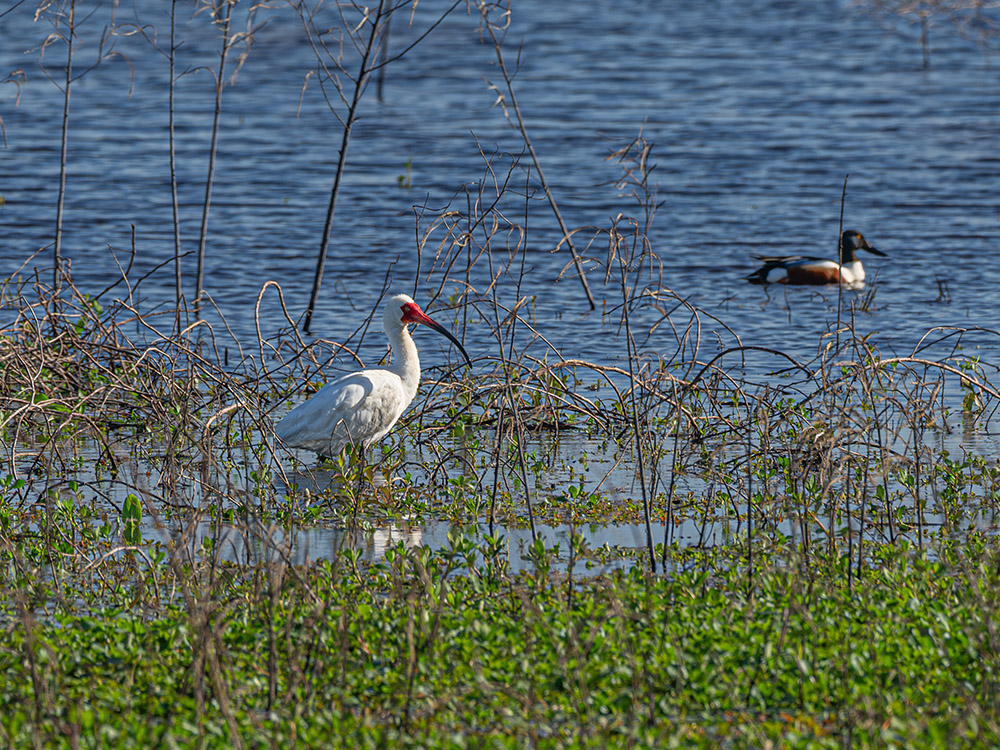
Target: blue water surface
<point x="756" y="113"/>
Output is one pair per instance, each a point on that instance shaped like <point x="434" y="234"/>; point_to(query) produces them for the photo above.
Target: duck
<point x="807" y="270"/>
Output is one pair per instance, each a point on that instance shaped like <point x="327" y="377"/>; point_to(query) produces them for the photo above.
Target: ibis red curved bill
<point x="413" y="314"/>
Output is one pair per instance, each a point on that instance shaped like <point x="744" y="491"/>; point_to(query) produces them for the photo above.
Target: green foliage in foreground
<point x="422" y="652"/>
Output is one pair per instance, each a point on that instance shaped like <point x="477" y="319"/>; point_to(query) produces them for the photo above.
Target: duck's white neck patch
<point x="852" y="273"/>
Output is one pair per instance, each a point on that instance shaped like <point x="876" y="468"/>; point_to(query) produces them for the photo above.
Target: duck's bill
<point x="874" y="251"/>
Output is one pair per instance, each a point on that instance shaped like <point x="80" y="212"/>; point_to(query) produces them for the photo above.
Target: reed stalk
<point x="368" y="50"/>
<point x="509" y="98"/>
<point x="57" y="250"/>
<point x="221" y="13"/>
<point x="172" y="147"/>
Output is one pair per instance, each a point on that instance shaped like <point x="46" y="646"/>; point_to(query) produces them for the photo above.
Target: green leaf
<point x="132" y="520"/>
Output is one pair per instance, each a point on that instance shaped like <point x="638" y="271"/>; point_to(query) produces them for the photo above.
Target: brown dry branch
<point x="366" y="32"/>
<point x="65" y="30"/>
<point x="496" y="22"/>
<point x="220" y="14"/>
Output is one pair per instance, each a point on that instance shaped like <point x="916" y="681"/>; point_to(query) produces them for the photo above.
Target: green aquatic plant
<point x="132" y="520"/>
<point x="405" y="180"/>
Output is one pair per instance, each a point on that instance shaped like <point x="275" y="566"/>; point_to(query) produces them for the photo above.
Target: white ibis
<point x="360" y="408"/>
<point x="801" y="269"/>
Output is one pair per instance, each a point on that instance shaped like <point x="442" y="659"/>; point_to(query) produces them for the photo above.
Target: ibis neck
<point x="406" y="362"/>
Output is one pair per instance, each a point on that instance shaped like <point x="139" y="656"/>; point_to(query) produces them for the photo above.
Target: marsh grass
<point x="149" y="524"/>
<point x="838" y="587"/>
<point x="446" y="649"/>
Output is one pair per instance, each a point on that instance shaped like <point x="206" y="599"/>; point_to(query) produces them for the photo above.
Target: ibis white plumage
<point x="360" y="408"/>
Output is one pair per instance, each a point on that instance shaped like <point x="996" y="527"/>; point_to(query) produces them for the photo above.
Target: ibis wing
<point x="357" y="408"/>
